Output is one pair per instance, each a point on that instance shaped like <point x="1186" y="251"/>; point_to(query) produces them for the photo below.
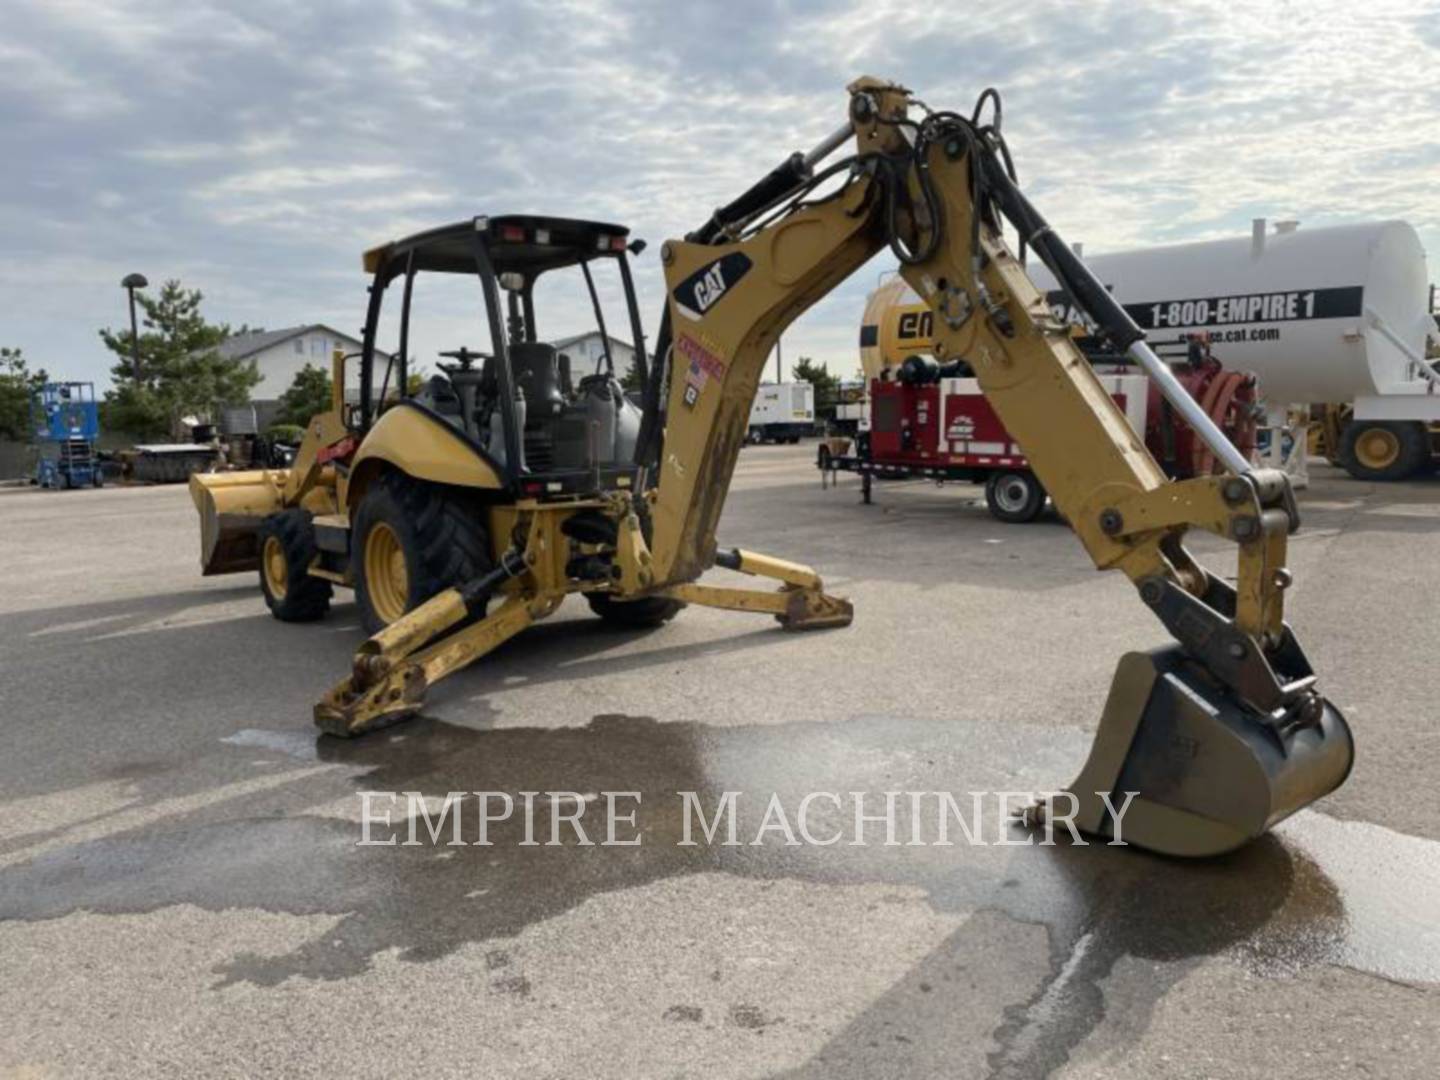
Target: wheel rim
<point x="277" y="570"/>
<point x="386" y="578"/>
<point x="1377" y="448"/>
<point x="1011" y="494"/>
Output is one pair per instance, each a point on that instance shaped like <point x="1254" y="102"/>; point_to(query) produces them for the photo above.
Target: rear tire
<point x="416" y="539"/>
<point x="1014" y="497"/>
<point x="287" y="548"/>
<point x="1384" y="450"/>
<point x="650" y="611"/>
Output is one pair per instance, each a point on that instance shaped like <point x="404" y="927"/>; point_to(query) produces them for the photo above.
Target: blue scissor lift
<point x="66" y="423"/>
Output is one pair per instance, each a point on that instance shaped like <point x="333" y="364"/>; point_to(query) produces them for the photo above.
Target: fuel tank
<point x="1318" y="315"/>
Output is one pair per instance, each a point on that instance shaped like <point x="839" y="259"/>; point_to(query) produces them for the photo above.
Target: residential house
<point x="279" y="355"/>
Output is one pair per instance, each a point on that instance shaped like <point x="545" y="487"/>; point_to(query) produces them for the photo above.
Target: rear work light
<point x="513" y="233"/>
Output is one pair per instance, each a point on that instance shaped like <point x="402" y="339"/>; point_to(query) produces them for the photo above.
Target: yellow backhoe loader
<point x="464" y="512"/>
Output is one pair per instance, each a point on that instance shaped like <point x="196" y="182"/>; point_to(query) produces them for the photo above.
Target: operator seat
<point x="440" y="397"/>
<point x="536" y="368"/>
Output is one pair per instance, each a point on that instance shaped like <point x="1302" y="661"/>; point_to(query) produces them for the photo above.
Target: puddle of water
<point x="1319" y="891"/>
<point x="1389" y="888"/>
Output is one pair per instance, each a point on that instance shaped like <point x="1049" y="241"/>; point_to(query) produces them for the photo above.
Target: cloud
<point x="186" y="153"/>
<point x="255" y="150"/>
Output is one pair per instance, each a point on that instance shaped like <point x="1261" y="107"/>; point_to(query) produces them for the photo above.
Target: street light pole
<point x="130" y="283"/>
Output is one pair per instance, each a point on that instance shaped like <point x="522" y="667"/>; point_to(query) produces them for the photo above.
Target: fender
<point x="420" y="444"/>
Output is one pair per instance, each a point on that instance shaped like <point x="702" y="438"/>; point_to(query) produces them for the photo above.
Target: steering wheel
<point x="464" y="357"/>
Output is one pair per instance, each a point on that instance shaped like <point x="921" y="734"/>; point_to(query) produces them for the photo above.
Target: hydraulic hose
<point x="1092" y="297"/>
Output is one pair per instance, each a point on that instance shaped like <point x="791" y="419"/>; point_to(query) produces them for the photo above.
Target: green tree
<point x="308" y="395"/>
<point x="180" y="372"/>
<point x="827" y="386"/>
<point x="17" y="382"/>
<point x="631" y="380"/>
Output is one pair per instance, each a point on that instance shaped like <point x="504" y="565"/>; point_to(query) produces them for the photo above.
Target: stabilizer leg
<point x="801" y="602"/>
<point x="393" y="669"/>
<point x="384" y="689"/>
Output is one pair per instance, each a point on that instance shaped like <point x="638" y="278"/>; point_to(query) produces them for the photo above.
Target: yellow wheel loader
<point x="464" y="512"/>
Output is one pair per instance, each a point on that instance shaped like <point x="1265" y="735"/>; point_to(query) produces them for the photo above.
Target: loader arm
<point x="1222" y="736"/>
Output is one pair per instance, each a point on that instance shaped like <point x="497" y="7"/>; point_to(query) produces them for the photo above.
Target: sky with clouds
<point x="254" y="150"/>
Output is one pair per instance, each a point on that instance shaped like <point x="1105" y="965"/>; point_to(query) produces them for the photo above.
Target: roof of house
<point x="572" y="339"/>
<point x="243" y="345"/>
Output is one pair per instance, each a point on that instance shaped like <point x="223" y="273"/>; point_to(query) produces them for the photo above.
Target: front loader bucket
<point x="232" y="506"/>
<point x="1209" y="775"/>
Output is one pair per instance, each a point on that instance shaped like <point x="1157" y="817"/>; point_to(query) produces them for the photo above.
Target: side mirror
<point x="637" y="246"/>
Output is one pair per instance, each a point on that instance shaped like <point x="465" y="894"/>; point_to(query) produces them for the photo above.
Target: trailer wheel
<point x="287" y="548"/>
<point x="649" y="611"/>
<point x="412" y="540"/>
<point x="1014" y="497"/>
<point x="1384" y="449"/>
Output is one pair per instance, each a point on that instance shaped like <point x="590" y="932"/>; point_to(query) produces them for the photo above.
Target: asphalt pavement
<point x="183" y="891"/>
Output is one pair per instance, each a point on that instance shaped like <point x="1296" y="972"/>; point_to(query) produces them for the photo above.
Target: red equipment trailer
<point x="934" y="422"/>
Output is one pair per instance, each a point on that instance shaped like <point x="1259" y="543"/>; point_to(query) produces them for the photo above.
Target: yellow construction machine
<point x="464" y="512"/>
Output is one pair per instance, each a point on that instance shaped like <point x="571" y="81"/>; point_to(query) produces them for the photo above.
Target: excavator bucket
<point x="1208" y="774"/>
<point x="232" y="506"/>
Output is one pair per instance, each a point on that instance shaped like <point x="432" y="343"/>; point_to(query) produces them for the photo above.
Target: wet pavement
<point x="181" y="890"/>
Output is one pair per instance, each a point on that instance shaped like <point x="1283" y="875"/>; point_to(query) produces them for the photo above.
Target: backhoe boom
<point x="1238" y="695"/>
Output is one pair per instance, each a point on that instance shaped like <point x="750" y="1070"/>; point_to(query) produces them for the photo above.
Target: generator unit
<point x="782" y="412"/>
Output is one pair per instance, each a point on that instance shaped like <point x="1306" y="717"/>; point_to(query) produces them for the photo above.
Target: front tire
<point x="412" y="540"/>
<point x="648" y="612"/>
<point x="1014" y="497"/>
<point x="287" y="548"/>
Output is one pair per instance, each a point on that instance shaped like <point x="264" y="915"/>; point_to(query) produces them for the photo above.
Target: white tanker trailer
<point x="1337" y="316"/>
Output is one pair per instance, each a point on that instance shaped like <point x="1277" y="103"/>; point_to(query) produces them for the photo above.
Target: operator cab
<point x="549" y="422"/>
